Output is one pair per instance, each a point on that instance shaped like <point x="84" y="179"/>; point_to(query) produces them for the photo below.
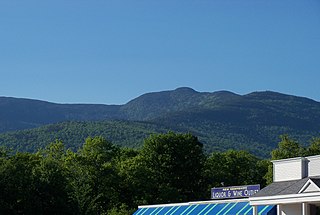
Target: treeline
<point x="102" y="178"/>
<point x="214" y="136"/>
<point x="73" y="134"/>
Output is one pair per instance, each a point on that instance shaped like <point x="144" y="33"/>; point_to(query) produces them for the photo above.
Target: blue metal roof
<point x="231" y="208"/>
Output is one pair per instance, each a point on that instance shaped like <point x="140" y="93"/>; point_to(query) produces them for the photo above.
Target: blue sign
<point x="234" y="191"/>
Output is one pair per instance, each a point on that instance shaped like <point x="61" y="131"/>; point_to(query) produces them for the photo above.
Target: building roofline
<point x="285" y="199"/>
<point x="313" y="157"/>
<point x="288" y="159"/>
<point x="196" y="203"/>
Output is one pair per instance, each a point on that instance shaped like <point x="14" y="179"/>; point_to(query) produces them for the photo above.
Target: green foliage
<point x="175" y="162"/>
<point x="94" y="179"/>
<point x="33" y="184"/>
<point x="102" y="178"/>
<point x="135" y="183"/>
<point x="74" y="134"/>
<point x="17" y="184"/>
<point x="314" y="148"/>
<point x="122" y="210"/>
<point x="289" y="148"/>
<point x="234" y="168"/>
<point x="214" y="136"/>
<point x="221" y="120"/>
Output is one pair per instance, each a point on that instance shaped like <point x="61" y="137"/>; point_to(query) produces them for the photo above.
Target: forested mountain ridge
<point x="222" y="120"/>
<point x="153" y="105"/>
<point x="19" y="113"/>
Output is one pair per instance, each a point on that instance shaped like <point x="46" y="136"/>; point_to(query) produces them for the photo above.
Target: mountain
<point x="221" y="120"/>
<point x="153" y="105"/>
<point x="17" y="113"/>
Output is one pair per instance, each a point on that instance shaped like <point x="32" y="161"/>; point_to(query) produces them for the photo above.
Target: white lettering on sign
<point x="220" y="195"/>
<point x="237" y="193"/>
<point x="234" y="192"/>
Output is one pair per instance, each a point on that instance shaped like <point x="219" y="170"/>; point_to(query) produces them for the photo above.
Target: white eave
<point x="285" y="199"/>
<point x="288" y="160"/>
<point x="197" y="202"/>
<point x="309" y="184"/>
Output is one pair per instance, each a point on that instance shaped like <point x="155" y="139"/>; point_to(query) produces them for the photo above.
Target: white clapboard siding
<point x="289" y="169"/>
<point x="313" y="165"/>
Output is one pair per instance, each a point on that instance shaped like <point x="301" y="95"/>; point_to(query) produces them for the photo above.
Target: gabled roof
<point x="282" y="188"/>
<point x="312" y="185"/>
<point x="289" y="187"/>
<point x="287" y="192"/>
<point x="316" y="180"/>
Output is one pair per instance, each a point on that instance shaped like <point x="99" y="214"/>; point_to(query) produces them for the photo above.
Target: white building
<point x="295" y="191"/>
<point x="295" y="188"/>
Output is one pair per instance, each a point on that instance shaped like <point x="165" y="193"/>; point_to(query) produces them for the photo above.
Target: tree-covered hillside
<point x="258" y="107"/>
<point x="214" y="136"/>
<point x="73" y="134"/>
<point x="18" y="114"/>
<point x="222" y="120"/>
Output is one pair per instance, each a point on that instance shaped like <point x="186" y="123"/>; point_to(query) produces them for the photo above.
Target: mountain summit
<point x="220" y="119"/>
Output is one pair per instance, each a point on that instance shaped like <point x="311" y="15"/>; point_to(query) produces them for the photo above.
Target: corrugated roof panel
<point x="179" y="210"/>
<point x="238" y="207"/>
<point x="231" y="208"/>
<point x="217" y="209"/>
<point x="267" y="210"/>
<point x="163" y="210"/>
<point x="199" y="208"/>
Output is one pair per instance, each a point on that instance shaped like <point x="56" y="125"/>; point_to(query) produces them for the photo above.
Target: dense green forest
<point x="74" y="134"/>
<point x="124" y="134"/>
<point x="214" y="136"/>
<point x="221" y="120"/>
<point x="103" y="178"/>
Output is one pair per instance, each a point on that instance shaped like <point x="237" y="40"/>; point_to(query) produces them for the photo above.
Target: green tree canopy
<point x="233" y="168"/>
<point x="287" y="148"/>
<point x="175" y="162"/>
<point x="94" y="179"/>
<point x="314" y="148"/>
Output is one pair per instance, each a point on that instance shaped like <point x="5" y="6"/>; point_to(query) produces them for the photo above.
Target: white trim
<point x="220" y="201"/>
<point x="313" y="157"/>
<point x="163" y="205"/>
<point x="304" y="208"/>
<point x="307" y="184"/>
<point x="255" y="210"/>
<point x="288" y="160"/>
<point x="278" y="209"/>
<point x="197" y="203"/>
<point x="285" y="199"/>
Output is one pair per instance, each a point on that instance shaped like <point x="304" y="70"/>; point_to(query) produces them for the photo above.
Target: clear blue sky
<point x="105" y="51"/>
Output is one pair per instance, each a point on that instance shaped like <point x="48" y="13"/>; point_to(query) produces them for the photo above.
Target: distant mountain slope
<point x="154" y="105"/>
<point x="73" y="134"/>
<point x="17" y="114"/>
<point x="222" y="120"/>
<point x="216" y="136"/>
